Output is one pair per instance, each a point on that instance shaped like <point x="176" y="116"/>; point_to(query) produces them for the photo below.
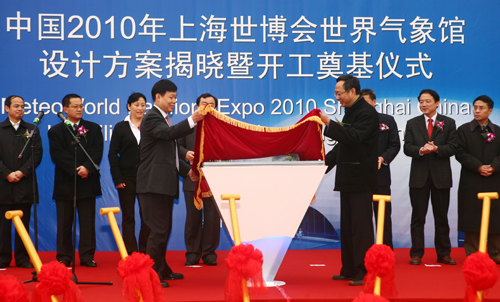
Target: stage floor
<point x="307" y="274"/>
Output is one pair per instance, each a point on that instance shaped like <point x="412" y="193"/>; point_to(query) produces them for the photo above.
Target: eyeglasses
<point x="76" y="107"/>
<point x="338" y="94"/>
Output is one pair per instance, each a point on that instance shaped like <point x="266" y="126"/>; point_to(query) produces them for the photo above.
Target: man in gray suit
<point x="159" y="170"/>
<point x="430" y="140"/>
<point x="202" y="230"/>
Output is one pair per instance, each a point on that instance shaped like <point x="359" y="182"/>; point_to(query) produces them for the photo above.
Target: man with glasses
<point x="88" y="184"/>
<point x="355" y="156"/>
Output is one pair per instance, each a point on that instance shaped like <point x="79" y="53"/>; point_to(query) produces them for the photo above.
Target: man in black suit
<point x="16" y="186"/>
<point x="388" y="148"/>
<point x="430" y="140"/>
<point x="159" y="170"/>
<point x="202" y="230"/>
<point x="479" y="153"/>
<point x="355" y="156"/>
<point x="88" y="184"/>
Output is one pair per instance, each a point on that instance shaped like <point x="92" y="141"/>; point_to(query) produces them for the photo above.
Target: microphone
<point x="38" y="118"/>
<point x="64" y="119"/>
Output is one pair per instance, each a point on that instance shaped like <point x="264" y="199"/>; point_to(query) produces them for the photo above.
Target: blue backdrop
<point x="268" y="62"/>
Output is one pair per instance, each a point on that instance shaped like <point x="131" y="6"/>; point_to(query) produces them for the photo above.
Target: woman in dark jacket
<point x="123" y="159"/>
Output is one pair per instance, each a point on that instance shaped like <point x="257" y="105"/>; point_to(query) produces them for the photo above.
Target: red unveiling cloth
<point x="219" y="137"/>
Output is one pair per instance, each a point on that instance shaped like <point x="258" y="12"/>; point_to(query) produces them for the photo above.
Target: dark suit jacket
<point x="437" y="164"/>
<point x="473" y="152"/>
<point x="186" y="144"/>
<point x="63" y="156"/>
<point x="388" y="147"/>
<point x="157" y="171"/>
<point x="11" y="144"/>
<point x="123" y="153"/>
<point x="356" y="152"/>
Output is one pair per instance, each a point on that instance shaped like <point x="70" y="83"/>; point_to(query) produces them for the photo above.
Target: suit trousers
<point x="385" y="190"/>
<point x="20" y="253"/>
<point x="157" y="214"/>
<point x="356" y="232"/>
<point x="440" y="199"/>
<point x="86" y="218"/>
<point x="202" y="230"/>
<point x="471" y="244"/>
<point x="127" y="205"/>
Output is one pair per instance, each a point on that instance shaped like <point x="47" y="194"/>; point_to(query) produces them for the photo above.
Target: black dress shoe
<point x="90" y="263"/>
<point x="341" y="278"/>
<point x="65" y="262"/>
<point x="173" y="276"/>
<point x="355" y="282"/>
<point x="446" y="260"/>
<point x="26" y="264"/>
<point x="210" y="262"/>
<point x="164" y="284"/>
<point x="416" y="260"/>
<point x="191" y="262"/>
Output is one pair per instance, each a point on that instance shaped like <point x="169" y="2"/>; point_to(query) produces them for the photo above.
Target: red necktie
<point x="169" y="121"/>
<point x="429" y="128"/>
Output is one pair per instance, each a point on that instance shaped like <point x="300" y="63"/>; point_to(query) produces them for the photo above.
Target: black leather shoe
<point x="173" y="276"/>
<point x="341" y="278"/>
<point x="26" y="264"/>
<point x="164" y="284"/>
<point x="416" y="260"/>
<point x="191" y="262"/>
<point x="210" y="262"/>
<point x="446" y="260"/>
<point x="65" y="262"/>
<point x="355" y="282"/>
<point x="90" y="263"/>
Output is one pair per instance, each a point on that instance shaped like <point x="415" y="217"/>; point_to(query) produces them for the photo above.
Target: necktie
<point x="169" y="122"/>
<point x="430" y="126"/>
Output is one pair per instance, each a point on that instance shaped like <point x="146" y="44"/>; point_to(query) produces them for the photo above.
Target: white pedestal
<point x="274" y="199"/>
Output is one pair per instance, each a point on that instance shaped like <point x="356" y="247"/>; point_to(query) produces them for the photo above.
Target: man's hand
<point x="190" y="155"/>
<point x="83" y="172"/>
<point x="19" y="174"/>
<point x="197" y="116"/>
<point x="428" y="148"/>
<point x="486" y="170"/>
<point x="194" y="177"/>
<point x="121" y="186"/>
<point x="381" y="160"/>
<point x="12" y="177"/>
<point x="324" y="118"/>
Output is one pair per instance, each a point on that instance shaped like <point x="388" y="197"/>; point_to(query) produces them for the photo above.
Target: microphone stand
<point x="30" y="136"/>
<point x="76" y="143"/>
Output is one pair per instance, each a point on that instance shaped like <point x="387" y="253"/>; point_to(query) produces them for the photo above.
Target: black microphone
<point x="64" y="119"/>
<point x="38" y="118"/>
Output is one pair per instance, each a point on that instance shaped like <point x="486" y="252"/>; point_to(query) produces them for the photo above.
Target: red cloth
<point x="139" y="279"/>
<point x="380" y="262"/>
<point x="480" y="273"/>
<point x="244" y="262"/>
<point x="12" y="290"/>
<point x="219" y="137"/>
<point x="55" y="280"/>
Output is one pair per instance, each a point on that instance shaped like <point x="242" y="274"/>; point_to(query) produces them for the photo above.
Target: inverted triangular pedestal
<point x="274" y="199"/>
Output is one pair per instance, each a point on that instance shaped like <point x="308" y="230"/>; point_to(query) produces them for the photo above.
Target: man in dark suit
<point x="355" y="156"/>
<point x="88" y="184"/>
<point x="159" y="170"/>
<point x="430" y="140"/>
<point x="388" y="148"/>
<point x="202" y="230"/>
<point x="16" y="185"/>
<point x="479" y="154"/>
